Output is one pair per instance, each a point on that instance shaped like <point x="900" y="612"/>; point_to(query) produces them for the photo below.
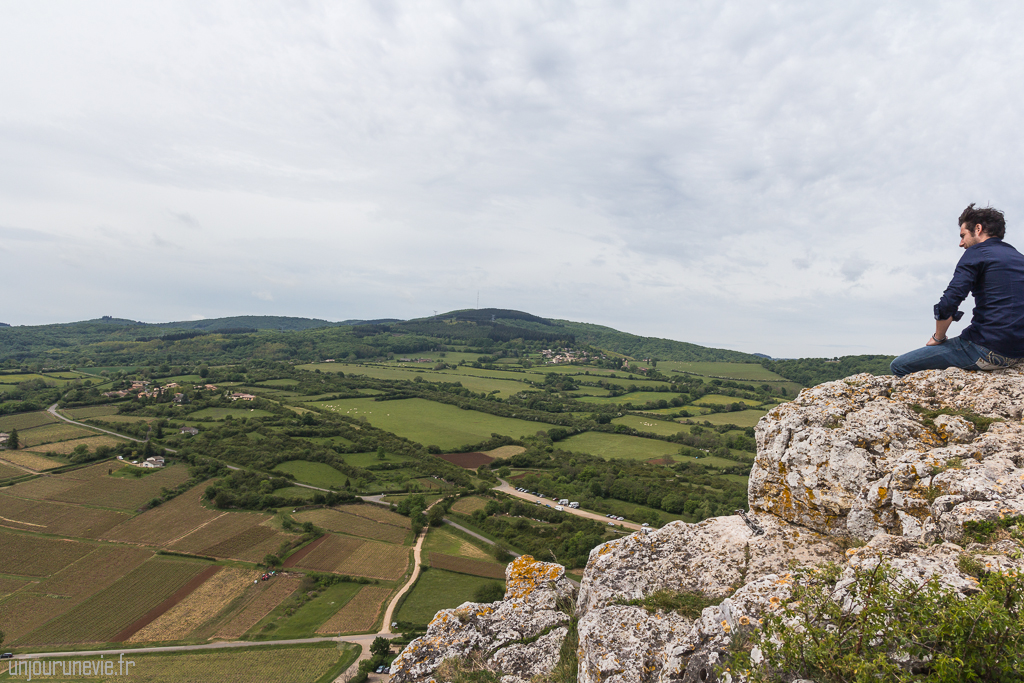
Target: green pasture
<point x="445" y="540"/>
<point x="108" y="368"/>
<point x="742" y="418"/>
<point x="467" y="377"/>
<point x="186" y="380"/>
<point x="610" y="446"/>
<point x="436" y="590"/>
<point x="429" y="423"/>
<point x="329" y="440"/>
<point x="649" y="424"/>
<point x="747" y="372"/>
<point x="708" y="461"/>
<point x="313" y="473"/>
<point x="719" y="400"/>
<point x="305" y="620"/>
<point x="279" y="382"/>
<point x="635" y="397"/>
<point x="214" y="414"/>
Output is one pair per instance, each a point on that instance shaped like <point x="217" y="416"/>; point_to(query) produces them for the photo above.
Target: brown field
<point x="165" y="523"/>
<point x="377" y="513"/>
<point x="358" y="614"/>
<point x="57" y="518"/>
<point x="90" y="411"/>
<point x="42" y="488"/>
<point x="376" y="561"/>
<point x="222" y="528"/>
<point x="199" y="607"/>
<point x="469" y="505"/>
<point x="467" y="460"/>
<point x="108" y="612"/>
<point x="504" y="451"/>
<point x="240" y="544"/>
<point x="23" y="421"/>
<point x="23" y="613"/>
<point x="65" y="447"/>
<point x="464" y="565"/>
<point x="10" y="585"/>
<point x="8" y="471"/>
<point x="29" y="460"/>
<point x="329" y="553"/>
<point x="53" y="432"/>
<point x="343" y="522"/>
<point x="124" y="494"/>
<point x="93" y="573"/>
<point x="156" y="612"/>
<point x="261" y="599"/>
<point x="25" y="555"/>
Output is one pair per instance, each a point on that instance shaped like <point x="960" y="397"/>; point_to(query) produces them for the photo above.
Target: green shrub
<point x="900" y="631"/>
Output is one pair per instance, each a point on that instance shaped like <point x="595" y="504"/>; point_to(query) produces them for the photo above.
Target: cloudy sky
<point x="781" y="178"/>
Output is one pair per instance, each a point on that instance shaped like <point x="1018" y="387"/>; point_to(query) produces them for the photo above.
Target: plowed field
<point x="464" y="565"/>
<point x="358" y="614"/>
<point x="164" y="523"/>
<point x="264" y="596"/>
<point x="23" y="555"/>
<point x="30" y="460"/>
<point x="57" y="518"/>
<point x="65" y="447"/>
<point x="346" y="523"/>
<point x="219" y="530"/>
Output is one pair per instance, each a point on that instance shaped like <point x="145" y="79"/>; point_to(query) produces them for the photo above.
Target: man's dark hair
<point x="991" y="220"/>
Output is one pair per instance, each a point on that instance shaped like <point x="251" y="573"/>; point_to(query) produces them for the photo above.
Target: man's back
<point x="994" y="272"/>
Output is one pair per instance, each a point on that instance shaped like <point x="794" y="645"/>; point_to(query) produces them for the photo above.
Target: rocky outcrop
<point x="869" y="454"/>
<point x="855" y="472"/>
<point x="520" y="635"/>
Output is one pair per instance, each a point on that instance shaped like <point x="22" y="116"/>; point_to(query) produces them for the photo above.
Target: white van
<point x="574" y="505"/>
<point x="559" y="508"/>
<point x="564" y="501"/>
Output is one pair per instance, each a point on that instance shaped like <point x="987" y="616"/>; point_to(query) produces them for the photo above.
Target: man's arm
<point x="940" y="332"/>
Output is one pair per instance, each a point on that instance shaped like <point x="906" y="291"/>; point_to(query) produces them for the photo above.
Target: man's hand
<point x="931" y="342"/>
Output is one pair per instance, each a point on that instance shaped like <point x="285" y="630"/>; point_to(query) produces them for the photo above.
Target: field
<point x="304" y="621"/>
<point x="94" y="572"/>
<point x="118" y="492"/>
<point x="743" y="418"/>
<point x="22" y="421"/>
<point x="104" y="615"/>
<point x="355" y="557"/>
<point x="445" y="540"/>
<point x="314" y="473"/>
<point x="720" y="400"/>
<point x="65" y="447"/>
<point x="377" y="513"/>
<point x="636" y="397"/>
<point x="202" y="605"/>
<point x="223" y="527"/>
<point x="208" y="414"/>
<point x="469" y="505"/>
<point x="166" y="523"/>
<point x="618" y="446"/>
<point x="90" y="411"/>
<point x="464" y="565"/>
<point x="31" y="461"/>
<point x="252" y="544"/>
<point x="409" y="371"/>
<point x="359" y="614"/>
<point x="749" y="372"/>
<point x="468" y="460"/>
<point x="289" y="664"/>
<point x="57" y="518"/>
<point x="345" y="523"/>
<point x="438" y="589"/>
<point x="257" y="603"/>
<point x="52" y="432"/>
<point x="25" y="555"/>
<point x="430" y="423"/>
<point x="649" y="424"/>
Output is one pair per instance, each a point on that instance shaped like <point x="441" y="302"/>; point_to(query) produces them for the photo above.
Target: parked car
<point x="646" y="524"/>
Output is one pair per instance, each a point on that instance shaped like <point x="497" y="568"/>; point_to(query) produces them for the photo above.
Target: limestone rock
<point x="493" y="632"/>
<point x="855" y="458"/>
<point x="712" y="557"/>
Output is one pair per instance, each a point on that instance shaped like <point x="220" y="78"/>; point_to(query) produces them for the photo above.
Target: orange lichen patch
<point x="526" y="574"/>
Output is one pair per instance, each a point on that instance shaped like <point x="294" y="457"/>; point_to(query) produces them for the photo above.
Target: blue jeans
<point x="955" y="353"/>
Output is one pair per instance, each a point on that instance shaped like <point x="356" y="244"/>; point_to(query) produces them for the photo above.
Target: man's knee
<point x="897" y="368"/>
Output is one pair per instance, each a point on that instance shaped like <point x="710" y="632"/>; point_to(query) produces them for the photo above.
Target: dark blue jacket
<point x="993" y="272"/>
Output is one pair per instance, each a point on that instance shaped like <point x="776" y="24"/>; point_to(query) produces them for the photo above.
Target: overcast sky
<point x="782" y="178"/>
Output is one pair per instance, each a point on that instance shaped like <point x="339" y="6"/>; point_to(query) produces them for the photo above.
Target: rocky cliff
<point x="851" y="472"/>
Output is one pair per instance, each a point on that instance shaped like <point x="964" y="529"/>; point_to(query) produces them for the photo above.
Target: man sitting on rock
<point x="993" y="272"/>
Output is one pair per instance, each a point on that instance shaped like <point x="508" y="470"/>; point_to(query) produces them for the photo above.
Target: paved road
<point x="511" y="490"/>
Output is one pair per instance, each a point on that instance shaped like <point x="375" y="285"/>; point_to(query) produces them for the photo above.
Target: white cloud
<point x="781" y="178"/>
